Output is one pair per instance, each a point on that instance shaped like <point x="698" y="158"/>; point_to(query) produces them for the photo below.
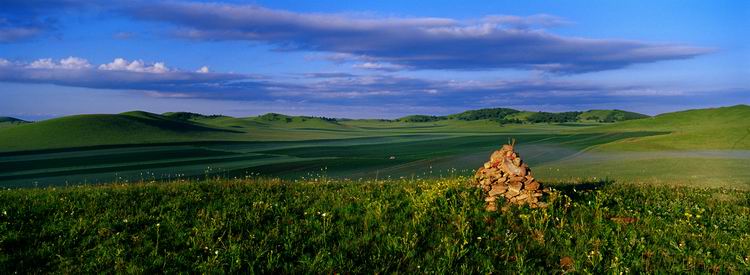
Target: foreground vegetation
<point x="410" y="225"/>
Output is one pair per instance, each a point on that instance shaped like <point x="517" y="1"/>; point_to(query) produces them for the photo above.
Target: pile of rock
<point x="507" y="176"/>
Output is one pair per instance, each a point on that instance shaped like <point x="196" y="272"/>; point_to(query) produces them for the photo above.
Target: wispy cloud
<point x="121" y="74"/>
<point x="491" y="42"/>
<point x="157" y="80"/>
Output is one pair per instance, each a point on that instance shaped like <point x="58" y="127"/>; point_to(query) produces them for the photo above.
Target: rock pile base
<point x="507" y="176"/>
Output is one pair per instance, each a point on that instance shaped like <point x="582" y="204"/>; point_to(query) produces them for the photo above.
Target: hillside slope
<point x="609" y="116"/>
<point x="505" y="115"/>
<point x="722" y="128"/>
<point x="10" y="122"/>
<point x="92" y="130"/>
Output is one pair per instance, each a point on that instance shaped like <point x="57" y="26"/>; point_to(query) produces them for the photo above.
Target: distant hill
<point x="609" y="116"/>
<point x="493" y="113"/>
<point x="421" y="118"/>
<point x="715" y="128"/>
<point x="285" y="121"/>
<point x="91" y="130"/>
<point x="6" y="122"/>
<point x="11" y="119"/>
<point x="506" y="115"/>
<point x="190" y="116"/>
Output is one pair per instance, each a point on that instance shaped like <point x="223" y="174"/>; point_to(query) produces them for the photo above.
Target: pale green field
<point x="698" y="148"/>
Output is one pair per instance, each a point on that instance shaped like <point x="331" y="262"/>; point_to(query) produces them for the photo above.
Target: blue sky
<point x="370" y="59"/>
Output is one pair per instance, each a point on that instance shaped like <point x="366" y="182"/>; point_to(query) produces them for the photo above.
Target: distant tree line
<point x="544" y="117"/>
<point x="421" y="118"/>
<point x="189" y="115"/>
<point x="493" y="113"/>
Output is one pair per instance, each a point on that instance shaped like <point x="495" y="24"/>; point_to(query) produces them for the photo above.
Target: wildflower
<point x="324" y="214"/>
<point x="125" y="220"/>
<point x="216" y="252"/>
<point x="5" y="213"/>
<point x="158" y="224"/>
<point x="479" y="238"/>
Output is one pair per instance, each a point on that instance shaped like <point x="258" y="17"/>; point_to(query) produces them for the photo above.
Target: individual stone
<point x="497" y="190"/>
<point x="515" y="186"/>
<point x="491" y="206"/>
<point x="532" y="186"/>
<point x="522" y="197"/>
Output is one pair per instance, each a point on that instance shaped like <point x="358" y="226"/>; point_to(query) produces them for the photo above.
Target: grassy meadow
<point x="345" y="226"/>
<point x="138" y="193"/>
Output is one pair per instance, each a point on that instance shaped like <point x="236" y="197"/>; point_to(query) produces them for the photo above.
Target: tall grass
<point x="326" y="226"/>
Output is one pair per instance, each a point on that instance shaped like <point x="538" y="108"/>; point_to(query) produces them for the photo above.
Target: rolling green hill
<point x="493" y="113"/>
<point x="420" y="118"/>
<point x="10" y="119"/>
<point x="722" y="128"/>
<point x="505" y="115"/>
<point x="10" y="122"/>
<point x="522" y="116"/>
<point x="190" y="116"/>
<point x="93" y="130"/>
<point x="609" y="116"/>
<point x="285" y="121"/>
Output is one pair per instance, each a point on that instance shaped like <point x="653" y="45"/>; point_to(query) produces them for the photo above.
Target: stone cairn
<point x="507" y="176"/>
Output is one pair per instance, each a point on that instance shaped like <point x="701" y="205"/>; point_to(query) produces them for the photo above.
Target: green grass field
<point x="141" y="193"/>
<point x="137" y="146"/>
<point x="333" y="226"/>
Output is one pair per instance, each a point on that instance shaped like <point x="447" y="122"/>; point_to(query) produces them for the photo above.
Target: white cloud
<point x="72" y="63"/>
<point x="203" y="69"/>
<point x="4" y="62"/>
<point x="121" y="64"/>
<point x="378" y="66"/>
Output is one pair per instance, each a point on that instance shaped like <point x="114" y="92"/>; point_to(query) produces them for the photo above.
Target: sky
<point x="370" y="59"/>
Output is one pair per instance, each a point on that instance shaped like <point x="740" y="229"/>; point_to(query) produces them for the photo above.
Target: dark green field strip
<point x="335" y="167"/>
<point x="541" y="148"/>
<point x="120" y="146"/>
<point x="579" y="124"/>
<point x="86" y="153"/>
<point x="400" y="127"/>
<point x="324" y="129"/>
<point x="229" y="144"/>
<point x="119" y="168"/>
<point x="421" y="148"/>
<point x="582" y="141"/>
<point x="293" y="145"/>
<point x="50" y="163"/>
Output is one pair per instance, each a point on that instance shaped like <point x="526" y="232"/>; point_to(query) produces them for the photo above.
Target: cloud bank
<point x="121" y="74"/>
<point x="156" y="79"/>
<point x="389" y="43"/>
